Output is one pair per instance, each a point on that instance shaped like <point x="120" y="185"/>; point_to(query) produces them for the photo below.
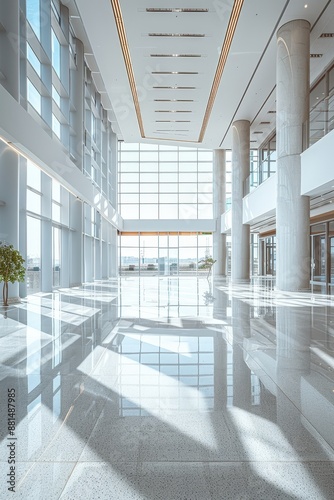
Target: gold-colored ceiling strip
<point x="127" y="60"/>
<point x="221" y="63"/>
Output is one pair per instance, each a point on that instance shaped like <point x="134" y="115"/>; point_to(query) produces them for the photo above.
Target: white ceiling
<point x="247" y="86"/>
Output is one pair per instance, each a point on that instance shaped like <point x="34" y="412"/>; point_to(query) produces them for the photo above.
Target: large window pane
<point x="205" y="211"/>
<point x="168" y="198"/>
<point x="148" y="188"/>
<point x="149" y="156"/>
<point x="188" y="156"/>
<point x="188" y="177"/>
<point x="33" y="16"/>
<point x="187" y="198"/>
<point x="149" y="198"/>
<point x="149" y="177"/>
<point x="205" y="155"/>
<point x="128" y="188"/>
<point x="168" y="211"/>
<point x="148" y="211"/>
<point x="130" y="166"/>
<point x="188" y="211"/>
<point x="170" y="177"/>
<point x="33" y="202"/>
<point x="33" y="176"/>
<point x="34" y="61"/>
<point x="34" y="97"/>
<point x="33" y="255"/>
<point x="55" y="46"/>
<point x="188" y="188"/>
<point x="148" y="167"/>
<point x="56" y="96"/>
<point x="133" y="177"/>
<point x="168" y="188"/>
<point x="130" y="211"/>
<point x="129" y="198"/>
<point x="168" y="156"/>
<point x="168" y="167"/>
<point x="56" y="126"/>
<point x="56" y="190"/>
<point x="130" y="156"/>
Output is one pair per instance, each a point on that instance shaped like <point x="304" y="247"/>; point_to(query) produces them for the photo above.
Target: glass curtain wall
<point x="164" y="182"/>
<point x="164" y="253"/>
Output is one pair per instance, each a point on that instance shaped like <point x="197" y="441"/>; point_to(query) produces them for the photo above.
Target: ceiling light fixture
<point x="172" y="111"/>
<point x="175" y="87"/>
<point x="178" y="35"/>
<point x="178" y="10"/>
<point x="174" y="100"/>
<point x="172" y="121"/>
<point x="175" y="55"/>
<point x="174" y="72"/>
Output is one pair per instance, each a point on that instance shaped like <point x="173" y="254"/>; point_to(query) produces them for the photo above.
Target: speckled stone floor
<point x="169" y="388"/>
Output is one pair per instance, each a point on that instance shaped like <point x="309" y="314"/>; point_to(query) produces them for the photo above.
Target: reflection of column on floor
<point x="293" y="327"/>
<point x="220" y="303"/>
<point x="220" y="372"/>
<point x="242" y="396"/>
<point x="240" y="320"/>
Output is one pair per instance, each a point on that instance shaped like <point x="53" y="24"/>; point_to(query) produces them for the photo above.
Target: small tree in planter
<point x="11" y="268"/>
<point x="207" y="263"/>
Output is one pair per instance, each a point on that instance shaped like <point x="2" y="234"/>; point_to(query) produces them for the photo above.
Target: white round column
<point x="293" y="210"/>
<point x="240" y="251"/>
<point x="219" y="207"/>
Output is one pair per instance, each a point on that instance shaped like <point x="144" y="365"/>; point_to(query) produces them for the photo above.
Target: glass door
<point x="318" y="263"/>
<point x="331" y="249"/>
<point x="56" y="255"/>
<point x="318" y="273"/>
<point x="268" y="251"/>
<point x="33" y="273"/>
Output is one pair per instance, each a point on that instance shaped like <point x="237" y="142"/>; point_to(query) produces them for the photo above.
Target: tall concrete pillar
<point x="293" y="210"/>
<point x="9" y="205"/>
<point x="240" y="252"/>
<point x="219" y="207"/>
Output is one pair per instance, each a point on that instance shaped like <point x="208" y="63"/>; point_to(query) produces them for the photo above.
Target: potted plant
<point x="207" y="263"/>
<point x="11" y="268"/>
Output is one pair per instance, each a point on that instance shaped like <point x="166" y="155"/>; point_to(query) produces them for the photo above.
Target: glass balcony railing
<point x="321" y="121"/>
<point x="264" y="170"/>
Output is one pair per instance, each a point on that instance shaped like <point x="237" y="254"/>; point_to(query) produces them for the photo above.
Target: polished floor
<point x="168" y="388"/>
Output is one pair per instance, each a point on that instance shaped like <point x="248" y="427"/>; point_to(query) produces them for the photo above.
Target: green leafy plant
<point x="207" y="263"/>
<point x="11" y="268"/>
